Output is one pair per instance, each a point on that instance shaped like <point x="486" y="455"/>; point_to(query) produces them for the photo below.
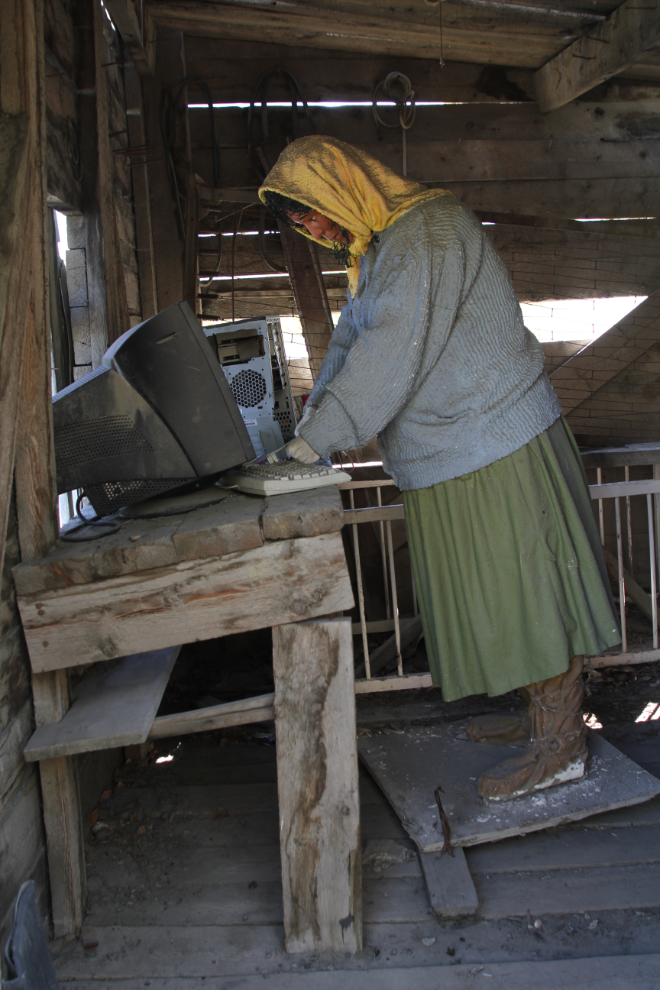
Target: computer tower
<point x="251" y="354"/>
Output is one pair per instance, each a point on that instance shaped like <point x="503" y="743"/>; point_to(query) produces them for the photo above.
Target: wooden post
<point x="141" y="199"/>
<point x="168" y="220"/>
<point x="317" y="777"/>
<point x="26" y="451"/>
<point x="302" y="260"/>
<point x="115" y="286"/>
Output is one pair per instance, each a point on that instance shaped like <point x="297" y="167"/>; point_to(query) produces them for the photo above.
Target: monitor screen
<point x="156" y="415"/>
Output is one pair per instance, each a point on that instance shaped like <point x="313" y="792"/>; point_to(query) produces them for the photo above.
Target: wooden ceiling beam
<point x="470" y="34"/>
<point x="626" y="38"/>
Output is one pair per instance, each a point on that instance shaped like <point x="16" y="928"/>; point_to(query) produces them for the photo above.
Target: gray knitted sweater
<point x="432" y="355"/>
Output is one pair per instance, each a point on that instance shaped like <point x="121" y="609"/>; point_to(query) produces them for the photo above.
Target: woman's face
<point x="320" y="226"/>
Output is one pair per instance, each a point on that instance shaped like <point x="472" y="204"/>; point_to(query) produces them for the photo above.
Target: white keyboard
<point x="283" y="476"/>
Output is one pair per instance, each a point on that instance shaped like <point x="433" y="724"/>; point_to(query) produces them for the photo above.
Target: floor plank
<point x="564" y="891"/>
<point x="604" y="973"/>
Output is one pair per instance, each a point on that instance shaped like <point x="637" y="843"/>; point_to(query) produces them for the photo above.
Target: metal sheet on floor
<point x="409" y="765"/>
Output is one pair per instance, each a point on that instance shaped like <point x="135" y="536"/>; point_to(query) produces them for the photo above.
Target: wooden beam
<point x="118" y="321"/>
<point x="317" y="784"/>
<point x="25" y="402"/>
<point x="144" y="241"/>
<point x="595" y="365"/>
<point x="168" y="221"/>
<point x="630" y="34"/>
<point x="302" y="260"/>
<point x="189" y="601"/>
<point x="470" y="34"/>
<point x="137" y="31"/>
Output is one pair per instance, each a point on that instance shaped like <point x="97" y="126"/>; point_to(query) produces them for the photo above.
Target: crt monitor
<point x="157" y="414"/>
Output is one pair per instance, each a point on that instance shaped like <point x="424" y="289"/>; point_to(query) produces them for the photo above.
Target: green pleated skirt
<point x="509" y="571"/>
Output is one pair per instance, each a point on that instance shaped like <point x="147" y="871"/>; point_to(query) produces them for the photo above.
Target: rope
<point x="405" y="104"/>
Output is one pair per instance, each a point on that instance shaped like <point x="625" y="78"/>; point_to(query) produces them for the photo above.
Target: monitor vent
<point x="109" y="496"/>
<point x="110" y="436"/>
<point x="249" y="388"/>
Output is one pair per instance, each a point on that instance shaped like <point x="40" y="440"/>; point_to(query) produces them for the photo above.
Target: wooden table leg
<point x="317" y="779"/>
<point x="61" y="808"/>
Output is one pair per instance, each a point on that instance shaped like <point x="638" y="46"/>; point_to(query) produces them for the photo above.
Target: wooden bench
<point x="245" y="563"/>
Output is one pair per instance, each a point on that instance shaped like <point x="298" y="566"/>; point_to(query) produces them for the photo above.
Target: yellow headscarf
<point x="348" y="186"/>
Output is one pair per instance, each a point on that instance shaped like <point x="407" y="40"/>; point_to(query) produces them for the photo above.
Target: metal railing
<point x="384" y="515"/>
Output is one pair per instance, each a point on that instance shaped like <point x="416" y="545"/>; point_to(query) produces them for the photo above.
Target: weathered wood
<point x="633" y="453"/>
<point x="229" y="69"/>
<point x="115" y="286"/>
<point x="469" y="34"/>
<point x="141" y="198"/>
<point x="278" y="583"/>
<point x="220" y="529"/>
<point x="608" y="888"/>
<point x="624" y="659"/>
<point x="302" y="260"/>
<point x="113" y="708"/>
<point x="449" y="884"/>
<point x="143" y="544"/>
<point x="409" y="682"/>
<point x="629" y="35"/>
<point x="592" y="367"/>
<point x="167" y="220"/>
<point x="218" y="717"/>
<point x="309" y="513"/>
<point x="317" y="777"/>
<point x="410" y="765"/>
<point x="137" y="32"/>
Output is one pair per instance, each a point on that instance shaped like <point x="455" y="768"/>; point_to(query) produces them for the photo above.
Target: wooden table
<point x="245" y="563"/>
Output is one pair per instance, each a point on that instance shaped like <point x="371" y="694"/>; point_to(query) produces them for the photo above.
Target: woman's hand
<point x="301" y="451"/>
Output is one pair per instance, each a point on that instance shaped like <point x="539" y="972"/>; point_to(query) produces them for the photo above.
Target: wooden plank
<point x="114" y="707"/>
<point x="564" y="850"/>
<point x="167" y="220"/>
<point x="410" y="630"/>
<point x="469" y="34"/>
<point x="613" y="972"/>
<point x="143" y="544"/>
<point x="590" y="369"/>
<point x="317" y="775"/>
<point x="409" y="682"/>
<point x="257" y="709"/>
<point x="194" y="600"/>
<point x="374" y="514"/>
<point x="309" y="513"/>
<point x="619" y="489"/>
<point x="228" y="67"/>
<point x="115" y="286"/>
<point x="627" y="36"/>
<point x="569" y="891"/>
<point x="223" y="528"/>
<point x="634" y="453"/>
<point x="144" y="242"/>
<point x="137" y="32"/>
<point x="624" y="659"/>
<point x="449" y="884"/>
<point x="410" y="765"/>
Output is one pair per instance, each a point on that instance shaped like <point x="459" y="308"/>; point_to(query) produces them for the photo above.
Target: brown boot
<point x="502" y="730"/>
<point x="558" y="748"/>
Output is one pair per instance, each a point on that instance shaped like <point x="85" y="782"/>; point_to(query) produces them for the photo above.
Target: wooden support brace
<point x="317" y="775"/>
<point x="302" y="260"/>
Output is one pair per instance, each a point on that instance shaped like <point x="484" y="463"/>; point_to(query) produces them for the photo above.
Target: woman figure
<point x="431" y="354"/>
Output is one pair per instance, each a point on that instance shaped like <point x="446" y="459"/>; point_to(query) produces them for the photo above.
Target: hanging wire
<point x="259" y="95"/>
<point x="405" y="103"/>
<point x="438" y="3"/>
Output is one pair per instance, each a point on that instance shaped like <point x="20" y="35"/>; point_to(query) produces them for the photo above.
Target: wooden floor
<point x="184" y="891"/>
